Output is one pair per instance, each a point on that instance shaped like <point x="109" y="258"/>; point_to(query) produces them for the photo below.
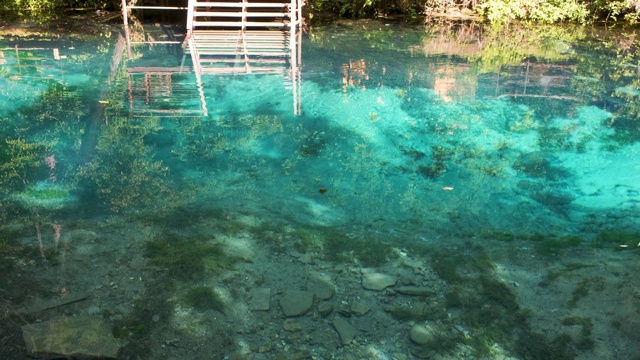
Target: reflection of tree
<point x="512" y="44"/>
<point x="610" y="75"/>
<point x="18" y="161"/>
<point x="124" y="173"/>
<point x="44" y="129"/>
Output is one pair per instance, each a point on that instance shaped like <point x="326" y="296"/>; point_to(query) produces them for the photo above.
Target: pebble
<point x="421" y="334"/>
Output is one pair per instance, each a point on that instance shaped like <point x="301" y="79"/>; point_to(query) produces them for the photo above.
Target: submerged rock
<point x="345" y="330"/>
<point x="377" y="281"/>
<point x="421" y="334"/>
<point x="83" y="337"/>
<point x="260" y="299"/>
<point x="321" y="286"/>
<point x="296" y="302"/>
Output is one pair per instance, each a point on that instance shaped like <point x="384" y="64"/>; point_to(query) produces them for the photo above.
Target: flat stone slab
<point x="321" y="287"/>
<point x="377" y="281"/>
<point x="346" y="331"/>
<point x="296" y="302"/>
<point x="360" y="307"/>
<point x="83" y="337"/>
<point x="416" y="291"/>
<point x="260" y="299"/>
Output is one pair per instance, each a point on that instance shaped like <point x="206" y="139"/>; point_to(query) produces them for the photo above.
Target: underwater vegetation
<point x="8" y="249"/>
<point x="334" y="245"/>
<point x="370" y="251"/>
<point x="544" y="244"/>
<point x="488" y="307"/>
<point x="618" y="239"/>
<point x="184" y="257"/>
<point x="203" y="298"/>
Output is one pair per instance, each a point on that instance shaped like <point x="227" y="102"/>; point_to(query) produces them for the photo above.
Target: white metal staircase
<point x="240" y="37"/>
<point x="243" y="14"/>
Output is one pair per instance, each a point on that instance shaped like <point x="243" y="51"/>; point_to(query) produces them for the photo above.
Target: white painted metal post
<point x="124" y="13"/>
<point x="190" y="12"/>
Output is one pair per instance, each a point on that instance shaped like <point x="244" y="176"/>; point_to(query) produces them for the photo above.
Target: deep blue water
<point x="406" y="149"/>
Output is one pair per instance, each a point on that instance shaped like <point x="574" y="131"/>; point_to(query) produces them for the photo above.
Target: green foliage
<point x="48" y="5"/>
<point x="367" y="8"/>
<point x="496" y="11"/>
<point x="545" y="11"/>
<point x="629" y="10"/>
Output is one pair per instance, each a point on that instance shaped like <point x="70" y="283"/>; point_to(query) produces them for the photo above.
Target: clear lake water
<point x="491" y="176"/>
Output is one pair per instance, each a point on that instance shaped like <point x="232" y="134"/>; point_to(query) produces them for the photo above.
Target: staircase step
<point x="240" y="5"/>
<point x="239" y="23"/>
<point x="239" y="14"/>
<point x="250" y="53"/>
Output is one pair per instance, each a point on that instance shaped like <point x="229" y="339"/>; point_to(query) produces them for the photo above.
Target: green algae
<point x="188" y="256"/>
<point x="203" y="298"/>
<point x="617" y="238"/>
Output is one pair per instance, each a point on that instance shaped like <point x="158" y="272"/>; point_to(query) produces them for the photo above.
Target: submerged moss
<point x="583" y="289"/>
<point x="186" y="256"/>
<point x="557" y="245"/>
<point x="536" y="346"/>
<point x="488" y="307"/>
<point x="203" y="298"/>
<point x="336" y="246"/>
<point x="610" y="238"/>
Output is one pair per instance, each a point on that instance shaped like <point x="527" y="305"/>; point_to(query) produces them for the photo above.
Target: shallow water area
<point x="404" y="191"/>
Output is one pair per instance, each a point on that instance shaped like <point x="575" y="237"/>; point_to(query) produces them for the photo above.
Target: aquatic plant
<point x="203" y="298"/>
<point x="489" y="308"/>
<point x="553" y="245"/>
<point x="184" y="257"/>
<point x="621" y="239"/>
<point x="584" y="287"/>
<point x="432" y="171"/>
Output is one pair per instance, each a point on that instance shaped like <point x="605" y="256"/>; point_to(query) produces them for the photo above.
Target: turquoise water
<point x="494" y="182"/>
